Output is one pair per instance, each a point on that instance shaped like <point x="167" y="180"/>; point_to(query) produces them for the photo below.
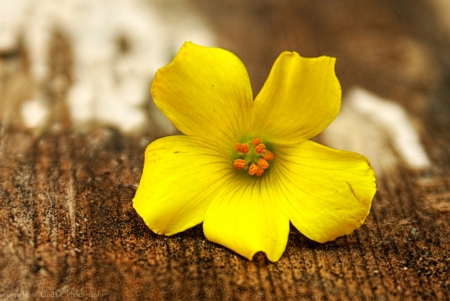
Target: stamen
<point x="268" y="155"/>
<point x="263" y="163"/>
<point x="259" y="172"/>
<point x="242" y="148"/>
<point x="253" y="169"/>
<point x="259" y="149"/>
<point x="239" y="164"/>
<point x="256" y="141"/>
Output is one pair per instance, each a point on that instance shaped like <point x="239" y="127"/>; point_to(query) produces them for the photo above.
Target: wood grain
<point x="67" y="226"/>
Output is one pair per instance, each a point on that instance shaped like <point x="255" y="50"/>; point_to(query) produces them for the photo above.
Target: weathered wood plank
<point x="68" y="227"/>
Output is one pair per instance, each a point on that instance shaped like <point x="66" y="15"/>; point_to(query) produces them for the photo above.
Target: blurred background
<point x="85" y="65"/>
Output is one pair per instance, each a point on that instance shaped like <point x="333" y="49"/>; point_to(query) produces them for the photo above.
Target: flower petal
<point x="246" y="218"/>
<point x="205" y="92"/>
<point x="326" y="193"/>
<point x="300" y="98"/>
<point x="180" y="179"/>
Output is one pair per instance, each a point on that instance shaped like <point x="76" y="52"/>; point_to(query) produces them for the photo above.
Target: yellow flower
<point x="246" y="168"/>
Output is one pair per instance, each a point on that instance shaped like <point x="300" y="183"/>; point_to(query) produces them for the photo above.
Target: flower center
<point x="252" y="156"/>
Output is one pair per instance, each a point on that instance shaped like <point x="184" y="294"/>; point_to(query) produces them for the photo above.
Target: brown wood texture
<point x="68" y="230"/>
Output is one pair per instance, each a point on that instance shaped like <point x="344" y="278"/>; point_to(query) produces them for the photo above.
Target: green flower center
<point x="252" y="156"/>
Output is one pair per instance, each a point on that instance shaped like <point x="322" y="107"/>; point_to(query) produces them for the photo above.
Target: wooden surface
<point x="69" y="232"/>
<point x="67" y="226"/>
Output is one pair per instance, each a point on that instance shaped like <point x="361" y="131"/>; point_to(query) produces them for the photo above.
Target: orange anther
<point x="259" y="172"/>
<point x="256" y="141"/>
<point x="259" y="149"/>
<point x="239" y="164"/>
<point x="242" y="148"/>
<point x="268" y="155"/>
<point x="253" y="169"/>
<point x="263" y="163"/>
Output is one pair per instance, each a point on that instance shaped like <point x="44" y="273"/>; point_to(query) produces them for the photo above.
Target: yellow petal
<point x="300" y="98"/>
<point x="246" y="218"/>
<point x="205" y="92"/>
<point x="180" y="178"/>
<point x="326" y="193"/>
